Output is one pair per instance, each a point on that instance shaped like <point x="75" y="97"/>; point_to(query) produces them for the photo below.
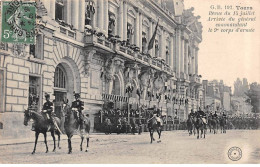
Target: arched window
<point x="60" y="78"/>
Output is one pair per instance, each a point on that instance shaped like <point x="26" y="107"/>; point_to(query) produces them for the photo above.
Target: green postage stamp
<point x="18" y="22"/>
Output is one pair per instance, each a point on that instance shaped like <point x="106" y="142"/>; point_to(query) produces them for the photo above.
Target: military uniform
<point x="202" y="115"/>
<point x="78" y="104"/>
<point x="47" y="109"/>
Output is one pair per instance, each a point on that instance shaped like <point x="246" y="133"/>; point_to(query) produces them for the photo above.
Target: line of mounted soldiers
<point x="204" y="116"/>
<point x="237" y="122"/>
<point x="48" y="112"/>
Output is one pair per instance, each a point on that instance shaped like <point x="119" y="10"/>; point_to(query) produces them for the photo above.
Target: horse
<point x="190" y="125"/>
<point x="214" y="123"/>
<point x="71" y="128"/>
<point x="41" y="126"/>
<point x="133" y="126"/>
<point x="210" y="123"/>
<point x="201" y="127"/>
<point x="223" y="124"/>
<point x="153" y="126"/>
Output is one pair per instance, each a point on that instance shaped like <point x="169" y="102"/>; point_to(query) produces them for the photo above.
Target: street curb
<point x="31" y="140"/>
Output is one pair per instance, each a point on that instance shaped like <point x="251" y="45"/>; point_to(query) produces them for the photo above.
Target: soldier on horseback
<point x="192" y="114"/>
<point x="157" y="114"/>
<point x="201" y="114"/>
<point x="47" y="110"/>
<point x="77" y="106"/>
<point x="215" y="115"/>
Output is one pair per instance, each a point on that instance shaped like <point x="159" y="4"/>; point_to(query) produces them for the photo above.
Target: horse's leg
<point x="54" y="141"/>
<point x="87" y="143"/>
<point x="45" y="141"/>
<point x="151" y="135"/>
<point x="35" y="143"/>
<point x="198" y="132"/>
<point x="59" y="141"/>
<point x="82" y="138"/>
<point x="69" y="144"/>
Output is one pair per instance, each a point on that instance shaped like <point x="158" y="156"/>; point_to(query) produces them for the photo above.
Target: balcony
<point x="100" y="41"/>
<point x="130" y="52"/>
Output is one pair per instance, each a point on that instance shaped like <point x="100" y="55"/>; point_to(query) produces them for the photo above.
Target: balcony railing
<point x="68" y="32"/>
<point x="118" y="46"/>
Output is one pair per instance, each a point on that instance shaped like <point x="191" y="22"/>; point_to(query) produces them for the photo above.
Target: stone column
<point x="182" y="55"/>
<point x="67" y="12"/>
<point x="186" y="57"/>
<point x="106" y="19"/>
<point x="50" y="6"/>
<point x="178" y="53"/>
<point x="162" y="45"/>
<point x="75" y="13"/>
<point x="196" y="60"/>
<point x="137" y="33"/>
<point x="171" y="51"/>
<point x="124" y="20"/>
<point x="81" y="19"/>
<point x="94" y="22"/>
<point x="151" y="31"/>
<point x="140" y="30"/>
<point x="100" y="15"/>
<point x="193" y="60"/>
<point x="120" y="20"/>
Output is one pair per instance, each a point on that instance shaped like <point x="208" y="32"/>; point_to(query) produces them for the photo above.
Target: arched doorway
<point x="63" y="86"/>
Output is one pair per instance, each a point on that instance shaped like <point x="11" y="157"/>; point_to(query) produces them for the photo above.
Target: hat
<point x="76" y="94"/>
<point x="47" y="95"/>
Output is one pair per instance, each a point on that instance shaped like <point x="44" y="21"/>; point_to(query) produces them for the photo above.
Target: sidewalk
<point x="41" y="139"/>
<point x="4" y="142"/>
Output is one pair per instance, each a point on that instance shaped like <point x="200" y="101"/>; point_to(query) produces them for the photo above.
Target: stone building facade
<point x="217" y="95"/>
<point x="99" y="48"/>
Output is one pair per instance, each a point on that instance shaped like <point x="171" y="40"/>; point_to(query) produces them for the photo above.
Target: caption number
<point x="6" y="34"/>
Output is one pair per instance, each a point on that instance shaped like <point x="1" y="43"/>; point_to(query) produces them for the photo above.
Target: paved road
<point x="175" y="147"/>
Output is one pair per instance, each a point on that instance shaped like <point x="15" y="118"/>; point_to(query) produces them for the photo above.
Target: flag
<point x="150" y="45"/>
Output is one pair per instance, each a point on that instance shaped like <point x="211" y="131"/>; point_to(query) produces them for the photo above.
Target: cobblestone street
<point x="175" y="147"/>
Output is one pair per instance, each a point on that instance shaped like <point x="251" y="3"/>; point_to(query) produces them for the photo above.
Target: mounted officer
<point x="77" y="106"/>
<point x="47" y="110"/>
<point x="157" y="114"/>
<point x="215" y="115"/>
<point x="201" y="114"/>
<point x="192" y="114"/>
<point x="224" y="115"/>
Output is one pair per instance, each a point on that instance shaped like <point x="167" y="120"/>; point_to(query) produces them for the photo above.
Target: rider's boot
<point x="33" y="126"/>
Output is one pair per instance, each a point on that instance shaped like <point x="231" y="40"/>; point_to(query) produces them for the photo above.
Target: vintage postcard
<point x="129" y="82"/>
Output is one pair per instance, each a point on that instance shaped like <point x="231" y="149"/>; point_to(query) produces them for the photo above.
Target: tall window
<point x="144" y="42"/>
<point x="36" y="50"/>
<point x="2" y="95"/>
<point x="156" y="48"/>
<point x="112" y="23"/>
<point x="167" y="54"/>
<point x="89" y="13"/>
<point x="59" y="78"/>
<point x="59" y="10"/>
<point x="34" y="91"/>
<point x="130" y="33"/>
